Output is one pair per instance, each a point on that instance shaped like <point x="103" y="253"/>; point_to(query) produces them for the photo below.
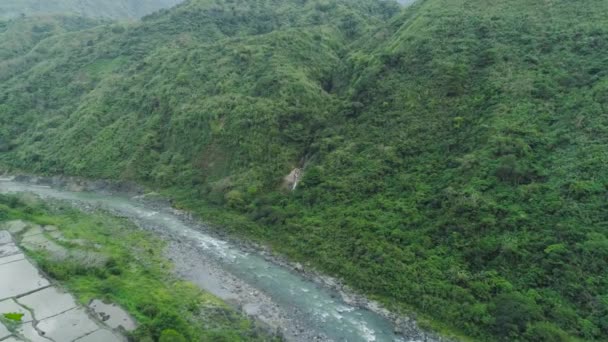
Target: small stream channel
<point x="300" y="308"/>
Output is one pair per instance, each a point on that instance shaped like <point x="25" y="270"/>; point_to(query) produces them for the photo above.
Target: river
<point x="285" y="300"/>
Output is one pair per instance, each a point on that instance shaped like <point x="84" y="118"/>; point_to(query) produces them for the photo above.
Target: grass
<point x="453" y="151"/>
<point x="136" y="276"/>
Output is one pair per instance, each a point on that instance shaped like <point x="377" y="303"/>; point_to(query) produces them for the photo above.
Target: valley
<point x="301" y="307"/>
<point x="444" y="159"/>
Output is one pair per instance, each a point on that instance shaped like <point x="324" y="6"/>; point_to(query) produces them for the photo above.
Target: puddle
<point x="12" y="339"/>
<point x="18" y="278"/>
<point x="11" y="258"/>
<point x="5" y="237"/>
<point x="8" y="249"/>
<point x="59" y="318"/>
<point x="48" y="302"/>
<point x="112" y="315"/>
<point x="10" y="306"/>
<point x="4" y="331"/>
<point x="68" y="326"/>
<point x="42" y="243"/>
<point x="28" y="331"/>
<point x="15" y="227"/>
<point x="34" y="230"/>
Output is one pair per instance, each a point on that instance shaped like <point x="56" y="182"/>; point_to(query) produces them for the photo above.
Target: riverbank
<point x="100" y="256"/>
<point x="405" y="326"/>
<point x="180" y="247"/>
<point x="32" y="306"/>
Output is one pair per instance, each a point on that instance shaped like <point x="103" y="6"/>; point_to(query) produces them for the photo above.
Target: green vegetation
<point x="96" y="9"/>
<point x="134" y="274"/>
<point x="18" y="37"/>
<point x="453" y="151"/>
<point x="12" y="316"/>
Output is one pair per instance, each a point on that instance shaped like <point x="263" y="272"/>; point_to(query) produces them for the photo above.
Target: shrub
<point x="170" y="335"/>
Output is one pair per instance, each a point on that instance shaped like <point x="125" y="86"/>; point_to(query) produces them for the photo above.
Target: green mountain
<point x="452" y="151"/>
<point x="87" y="8"/>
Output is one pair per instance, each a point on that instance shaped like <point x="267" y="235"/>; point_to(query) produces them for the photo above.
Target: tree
<point x="171" y="335"/>
<point x="513" y="312"/>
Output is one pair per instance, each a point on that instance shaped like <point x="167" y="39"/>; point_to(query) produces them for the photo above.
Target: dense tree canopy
<point x="453" y="151"/>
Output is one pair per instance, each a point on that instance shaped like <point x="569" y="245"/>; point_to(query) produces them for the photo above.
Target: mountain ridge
<point x="131" y="9"/>
<point x="457" y="143"/>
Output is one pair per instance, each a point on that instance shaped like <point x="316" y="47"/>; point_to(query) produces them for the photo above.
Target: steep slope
<point x="115" y="9"/>
<point x="468" y="182"/>
<point x="452" y="151"/>
<point x="181" y="84"/>
<point x="18" y="37"/>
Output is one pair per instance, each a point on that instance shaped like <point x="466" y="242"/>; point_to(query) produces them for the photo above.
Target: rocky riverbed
<point x="300" y="304"/>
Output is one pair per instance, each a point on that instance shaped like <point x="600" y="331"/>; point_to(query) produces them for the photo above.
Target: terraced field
<point x="32" y="307"/>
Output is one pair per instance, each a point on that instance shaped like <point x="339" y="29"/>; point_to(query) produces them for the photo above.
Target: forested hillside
<point x="18" y="37"/>
<point x="86" y="8"/>
<point x="452" y="151"/>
